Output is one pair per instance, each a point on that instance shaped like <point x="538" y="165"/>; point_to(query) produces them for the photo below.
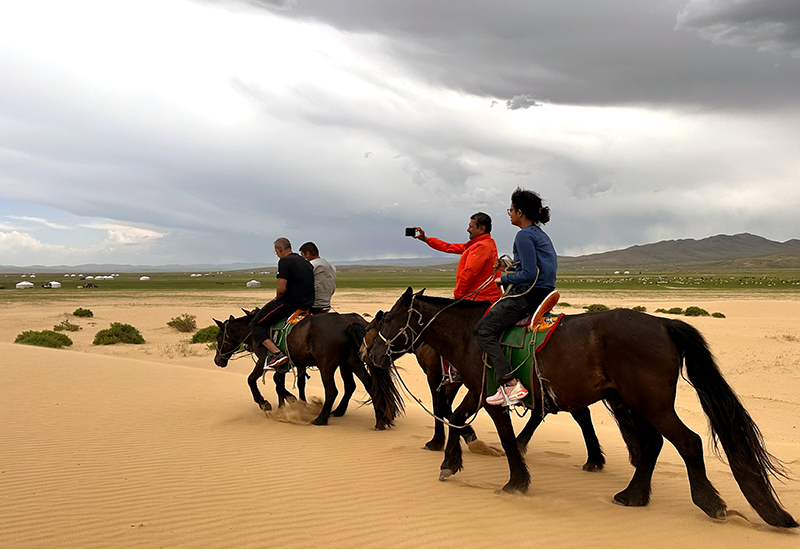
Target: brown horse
<point x="631" y="361"/>
<point x="329" y="341"/>
<point x="442" y="396"/>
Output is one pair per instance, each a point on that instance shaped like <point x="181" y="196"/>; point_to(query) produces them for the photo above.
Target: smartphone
<point x="410" y="231"/>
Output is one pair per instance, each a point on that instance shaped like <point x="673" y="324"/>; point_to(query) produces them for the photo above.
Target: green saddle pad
<point x="518" y="345"/>
<point x="279" y="332"/>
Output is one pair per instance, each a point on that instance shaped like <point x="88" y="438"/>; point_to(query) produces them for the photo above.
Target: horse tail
<point x="732" y="426"/>
<point x="384" y="393"/>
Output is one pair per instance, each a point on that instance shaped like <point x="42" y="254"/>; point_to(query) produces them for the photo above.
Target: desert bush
<point x="66" y="325"/>
<point x="45" y="338"/>
<point x="660" y="310"/>
<point x="595" y="307"/>
<point x="675" y="311"/>
<point x="694" y="311"/>
<point x="205" y="335"/>
<point x="564" y="304"/>
<point x="184" y="323"/>
<point x="118" y="333"/>
<point x="718" y="315"/>
<point x="640" y="308"/>
<point x="81" y="312"/>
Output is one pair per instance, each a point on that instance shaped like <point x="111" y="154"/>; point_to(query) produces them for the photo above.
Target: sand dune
<point x="153" y="446"/>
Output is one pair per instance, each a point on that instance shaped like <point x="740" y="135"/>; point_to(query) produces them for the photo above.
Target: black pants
<point x="503" y="315"/>
<point x="267" y="316"/>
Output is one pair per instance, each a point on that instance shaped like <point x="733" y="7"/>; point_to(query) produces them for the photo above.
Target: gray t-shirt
<point x="324" y="282"/>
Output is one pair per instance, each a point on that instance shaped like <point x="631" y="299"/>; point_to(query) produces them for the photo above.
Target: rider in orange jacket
<point x="478" y="255"/>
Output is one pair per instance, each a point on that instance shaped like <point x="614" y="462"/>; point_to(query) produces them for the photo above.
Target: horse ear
<point x="220" y="324"/>
<point x="378" y="316"/>
<point x="231" y="318"/>
<point x="245" y="311"/>
<point x="421" y="292"/>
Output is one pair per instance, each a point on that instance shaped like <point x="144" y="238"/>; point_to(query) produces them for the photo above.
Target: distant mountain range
<point x="719" y="253"/>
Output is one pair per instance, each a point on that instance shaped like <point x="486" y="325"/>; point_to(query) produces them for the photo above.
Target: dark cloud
<point x="585" y="53"/>
<point x="522" y="101"/>
<point x="767" y="26"/>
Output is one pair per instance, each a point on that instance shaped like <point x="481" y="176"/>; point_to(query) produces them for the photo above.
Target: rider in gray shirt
<point x="324" y="278"/>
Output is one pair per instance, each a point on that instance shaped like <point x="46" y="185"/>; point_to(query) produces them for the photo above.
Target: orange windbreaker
<point x="475" y="266"/>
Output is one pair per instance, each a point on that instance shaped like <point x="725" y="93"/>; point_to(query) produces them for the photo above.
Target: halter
<point x="237" y="349"/>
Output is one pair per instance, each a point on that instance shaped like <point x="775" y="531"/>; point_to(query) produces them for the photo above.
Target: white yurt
<point x="55" y="284"/>
<point x="144" y="278"/>
<point x="25" y="284"/>
<point x="253" y="284"/>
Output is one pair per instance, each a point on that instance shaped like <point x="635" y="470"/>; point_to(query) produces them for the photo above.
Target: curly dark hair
<point x="531" y="205"/>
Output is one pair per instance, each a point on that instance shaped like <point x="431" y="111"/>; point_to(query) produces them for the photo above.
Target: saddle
<point x="279" y="333"/>
<point x="521" y="342"/>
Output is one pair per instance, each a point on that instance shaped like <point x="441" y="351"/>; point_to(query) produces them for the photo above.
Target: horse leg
<point x="252" y="382"/>
<point x="595" y="459"/>
<point x="440" y="409"/>
<point x="453" y="460"/>
<point x="520" y="478"/>
<point x="526" y="433"/>
<point x="349" y="388"/>
<point x="301" y="382"/>
<point x="284" y="396"/>
<point x="326" y="372"/>
<point x="644" y="445"/>
<point x="690" y="447"/>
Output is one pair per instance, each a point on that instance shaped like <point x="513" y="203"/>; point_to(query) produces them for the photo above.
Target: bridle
<point x="237" y="349"/>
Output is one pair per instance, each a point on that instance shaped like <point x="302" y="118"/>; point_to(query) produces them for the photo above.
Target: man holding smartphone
<point x="476" y="264"/>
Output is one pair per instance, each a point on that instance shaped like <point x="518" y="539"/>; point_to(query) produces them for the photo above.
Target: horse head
<point x="231" y="335"/>
<point x="393" y="332"/>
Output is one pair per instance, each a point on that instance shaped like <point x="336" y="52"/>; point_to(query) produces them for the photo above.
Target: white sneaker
<point x="508" y="396"/>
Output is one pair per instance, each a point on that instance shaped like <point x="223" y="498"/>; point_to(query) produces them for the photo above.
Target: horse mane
<point x="453" y="303"/>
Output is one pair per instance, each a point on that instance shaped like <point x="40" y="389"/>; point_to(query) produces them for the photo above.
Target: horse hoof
<point x="444" y="473"/>
<point x="319" y="421"/>
<point x="265" y="406"/>
<point x="337" y="413"/>
<point x="433" y="446"/>
<point x="291" y="398"/>
<point x="628" y="498"/>
<point x="380" y="427"/>
<point x="592" y="467"/>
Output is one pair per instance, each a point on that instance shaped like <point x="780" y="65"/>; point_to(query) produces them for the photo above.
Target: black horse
<point x="443" y="395"/>
<point x="630" y="360"/>
<point x="328" y="341"/>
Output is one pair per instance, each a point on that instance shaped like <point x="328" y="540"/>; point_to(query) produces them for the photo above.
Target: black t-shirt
<point x="299" y="275"/>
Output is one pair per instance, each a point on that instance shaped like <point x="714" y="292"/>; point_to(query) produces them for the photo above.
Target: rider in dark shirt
<point x="295" y="291"/>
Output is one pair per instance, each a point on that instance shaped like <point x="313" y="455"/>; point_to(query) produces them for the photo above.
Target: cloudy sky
<point x="198" y="131"/>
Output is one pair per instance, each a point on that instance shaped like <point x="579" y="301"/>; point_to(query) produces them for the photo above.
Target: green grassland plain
<point x="440" y="280"/>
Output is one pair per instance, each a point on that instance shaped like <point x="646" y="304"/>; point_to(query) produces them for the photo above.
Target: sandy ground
<point x="154" y="446"/>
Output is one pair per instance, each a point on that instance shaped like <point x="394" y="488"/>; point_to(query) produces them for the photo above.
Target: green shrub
<point x="118" y="332"/>
<point x="81" y="312"/>
<point x="675" y="311"/>
<point x="204" y="335"/>
<point x="184" y="323"/>
<point x="595" y="307"/>
<point x="661" y="310"/>
<point x="640" y="308"/>
<point x="694" y="311"/>
<point x="66" y="325"/>
<point x="564" y="304"/>
<point x="45" y="338"/>
<point x="718" y="315"/>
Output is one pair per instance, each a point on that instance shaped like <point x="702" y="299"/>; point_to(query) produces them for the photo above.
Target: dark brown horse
<point x="631" y="361"/>
<point x="329" y="341"/>
<point x="442" y="396"/>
